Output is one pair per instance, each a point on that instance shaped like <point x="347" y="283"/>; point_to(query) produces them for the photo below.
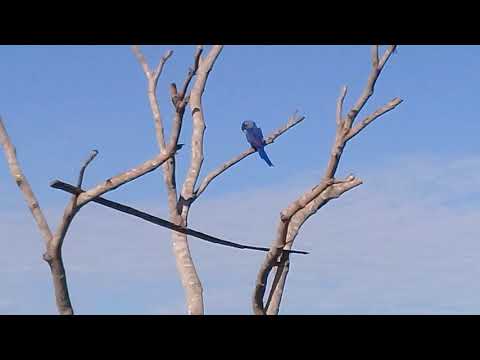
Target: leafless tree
<point x="181" y="200"/>
<point x="298" y="212"/>
<point x="54" y="241"/>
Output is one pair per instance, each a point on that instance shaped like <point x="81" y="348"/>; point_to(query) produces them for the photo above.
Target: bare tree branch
<point x="390" y="50"/>
<point x="367" y="120"/>
<point x="179" y="101"/>
<point x="295" y="215"/>
<point x="191" y="72"/>
<point x="53" y="255"/>
<point x="303" y="200"/>
<point x="185" y="265"/>
<point x="375" y="56"/>
<point x="292" y="121"/>
<point x="330" y="192"/>
<point x="340" y="100"/>
<point x="159" y="68"/>
<point x="125" y="177"/>
<point x="23" y="185"/>
<point x="369" y="88"/>
<point x="57" y="184"/>
<point x="132" y="174"/>
<point x="179" y="213"/>
<point x="53" y="243"/>
<point x="146" y="69"/>
<point x="178" y="208"/>
<point x="152" y="90"/>
<point x="184" y="262"/>
<point x="205" y="66"/>
<point x="275" y="294"/>
<point x="141" y="59"/>
<point x="90" y="158"/>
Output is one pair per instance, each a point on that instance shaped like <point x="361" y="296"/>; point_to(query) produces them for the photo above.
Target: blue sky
<point x="409" y="245"/>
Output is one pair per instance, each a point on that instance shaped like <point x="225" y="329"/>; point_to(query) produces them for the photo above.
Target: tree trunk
<point x="188" y="275"/>
<point x="59" y="278"/>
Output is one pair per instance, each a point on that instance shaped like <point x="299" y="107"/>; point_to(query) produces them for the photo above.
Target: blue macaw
<point x="255" y="138"/>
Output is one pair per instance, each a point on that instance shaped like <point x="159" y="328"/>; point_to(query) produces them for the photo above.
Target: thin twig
<point x="340" y="100"/>
<point x="87" y="162"/>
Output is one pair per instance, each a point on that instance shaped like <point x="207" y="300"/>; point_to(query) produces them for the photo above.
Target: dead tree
<point x="181" y="199"/>
<point x="54" y="241"/>
<point x="329" y="188"/>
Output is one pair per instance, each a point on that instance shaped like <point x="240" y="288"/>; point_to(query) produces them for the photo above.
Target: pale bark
<point x="298" y="212"/>
<point x="22" y="183"/>
<point x="179" y="205"/>
<point x="184" y="262"/>
<point x="54" y="242"/>
<point x="295" y="224"/>
<point x="152" y="77"/>
<point x="185" y="267"/>
<point x="134" y="173"/>
<point x="205" y="66"/>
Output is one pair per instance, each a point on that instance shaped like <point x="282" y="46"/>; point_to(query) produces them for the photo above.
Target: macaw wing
<point x="254" y="139"/>
<point x="258" y="132"/>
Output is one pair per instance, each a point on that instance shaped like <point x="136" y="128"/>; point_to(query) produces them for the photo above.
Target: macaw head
<point x="248" y="124"/>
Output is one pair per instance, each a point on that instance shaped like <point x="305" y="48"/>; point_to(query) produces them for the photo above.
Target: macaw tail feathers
<point x="264" y="156"/>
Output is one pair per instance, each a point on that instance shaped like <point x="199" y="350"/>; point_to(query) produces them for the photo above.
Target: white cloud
<point x="404" y="242"/>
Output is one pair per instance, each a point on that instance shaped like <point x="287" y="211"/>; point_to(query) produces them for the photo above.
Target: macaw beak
<point x="243" y="127"/>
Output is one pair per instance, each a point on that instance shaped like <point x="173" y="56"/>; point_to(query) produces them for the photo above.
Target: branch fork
<point x="295" y="215"/>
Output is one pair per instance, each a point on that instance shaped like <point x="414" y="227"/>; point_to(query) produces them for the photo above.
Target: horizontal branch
<point x="228" y="164"/>
<point x="57" y="184"/>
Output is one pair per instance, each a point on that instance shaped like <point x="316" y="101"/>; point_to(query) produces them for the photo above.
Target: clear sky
<point x="406" y="241"/>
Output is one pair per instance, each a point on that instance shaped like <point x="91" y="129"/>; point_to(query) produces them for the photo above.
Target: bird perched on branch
<point x="255" y="138"/>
